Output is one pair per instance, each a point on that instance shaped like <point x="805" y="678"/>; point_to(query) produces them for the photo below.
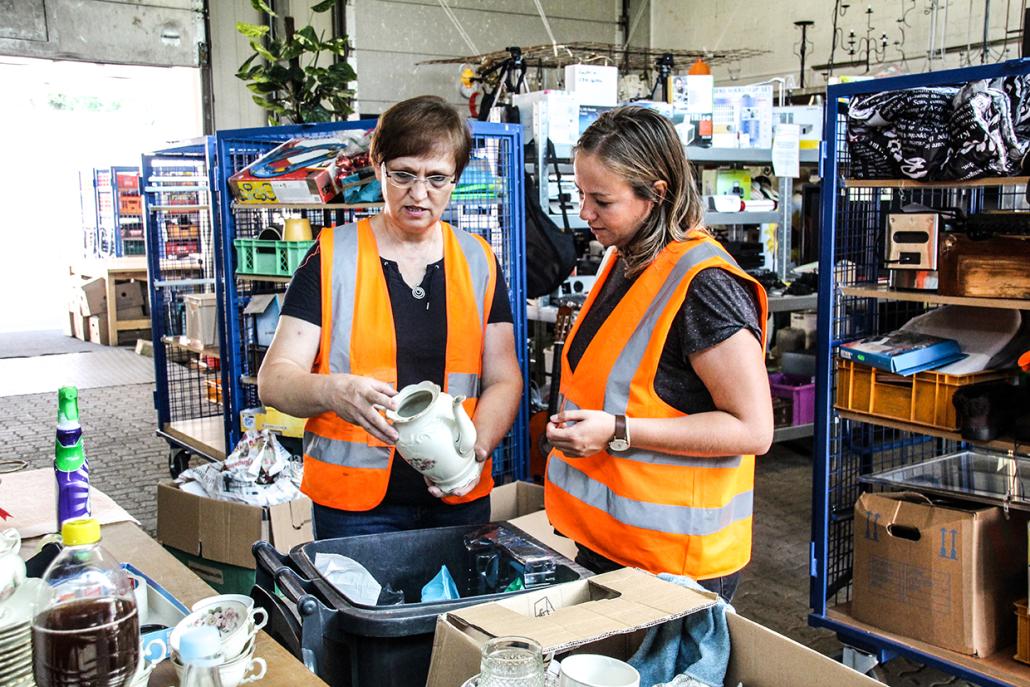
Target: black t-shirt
<point x="716" y="307"/>
<point x="421" y="327"/>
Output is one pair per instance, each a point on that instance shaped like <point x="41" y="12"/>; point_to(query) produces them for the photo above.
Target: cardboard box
<point x="316" y="180"/>
<point x="80" y="326"/>
<point x="265" y="308"/>
<point x="943" y="574"/>
<point x="135" y="312"/>
<point x="267" y="417"/>
<point x="223" y="531"/>
<point x="593" y="84"/>
<point x="808" y="117"/>
<point x="98" y="330"/>
<point x="92" y="297"/>
<point x="130" y="294"/>
<point x="202" y="319"/>
<point x="607" y="614"/>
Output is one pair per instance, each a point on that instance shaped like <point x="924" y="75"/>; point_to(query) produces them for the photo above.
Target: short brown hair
<point x="420" y="126"/>
<point x="642" y="147"/>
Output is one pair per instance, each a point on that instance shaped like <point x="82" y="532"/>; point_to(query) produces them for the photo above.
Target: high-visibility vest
<point x="660" y="512"/>
<point x="344" y="466"/>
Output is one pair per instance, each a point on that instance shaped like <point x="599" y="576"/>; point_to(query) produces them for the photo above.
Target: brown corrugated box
<point x="608" y="614"/>
<point x="945" y="574"/>
<point x="224" y="531"/>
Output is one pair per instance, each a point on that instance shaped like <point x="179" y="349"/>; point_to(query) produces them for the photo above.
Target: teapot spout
<point x="465" y="439"/>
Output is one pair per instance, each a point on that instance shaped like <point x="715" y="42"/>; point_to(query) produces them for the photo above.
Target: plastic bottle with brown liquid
<point x="85" y="627"/>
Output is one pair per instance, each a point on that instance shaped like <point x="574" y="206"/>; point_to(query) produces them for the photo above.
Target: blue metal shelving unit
<point x="496" y="213"/>
<point x="179" y="219"/>
<point x="854" y="221"/>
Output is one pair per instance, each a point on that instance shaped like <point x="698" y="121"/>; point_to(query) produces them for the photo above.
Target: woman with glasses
<point x="396" y="299"/>
<point x="665" y="397"/>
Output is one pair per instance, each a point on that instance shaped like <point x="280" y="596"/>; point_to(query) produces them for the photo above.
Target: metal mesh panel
<point x="484" y="202"/>
<point x="860" y="448"/>
<point x="180" y="234"/>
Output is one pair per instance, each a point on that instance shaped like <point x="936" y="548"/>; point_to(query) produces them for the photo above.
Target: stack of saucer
<point x="16" y="636"/>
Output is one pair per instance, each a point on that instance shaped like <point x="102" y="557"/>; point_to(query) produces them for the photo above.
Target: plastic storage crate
<point x="923" y="398"/>
<point x="390" y="646"/>
<point x="800" y="393"/>
<point x="272" y="258"/>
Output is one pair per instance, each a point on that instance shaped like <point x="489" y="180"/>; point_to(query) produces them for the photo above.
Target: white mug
<point x="595" y="670"/>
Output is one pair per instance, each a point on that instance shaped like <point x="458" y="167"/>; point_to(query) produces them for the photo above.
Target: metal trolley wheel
<point x="178" y="461"/>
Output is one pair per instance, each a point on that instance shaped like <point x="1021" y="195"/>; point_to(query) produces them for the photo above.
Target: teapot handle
<point x="465" y="440"/>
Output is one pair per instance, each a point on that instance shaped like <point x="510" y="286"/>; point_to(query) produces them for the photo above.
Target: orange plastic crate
<point x="923" y="398"/>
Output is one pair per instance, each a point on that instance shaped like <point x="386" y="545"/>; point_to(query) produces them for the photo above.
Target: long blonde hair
<point x="642" y="147"/>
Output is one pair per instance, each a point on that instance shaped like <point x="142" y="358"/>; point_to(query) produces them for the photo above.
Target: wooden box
<point x="990" y="268"/>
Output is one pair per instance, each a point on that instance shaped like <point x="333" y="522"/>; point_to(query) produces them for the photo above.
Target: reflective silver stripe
<point x="616" y="393"/>
<point x="460" y="383"/>
<point x="675" y="459"/>
<point x="682" y="520"/>
<point x="344" y="288"/>
<point x="479" y="269"/>
<point x="346" y="453"/>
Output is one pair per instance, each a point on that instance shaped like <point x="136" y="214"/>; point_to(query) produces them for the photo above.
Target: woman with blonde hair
<point x="664" y="393"/>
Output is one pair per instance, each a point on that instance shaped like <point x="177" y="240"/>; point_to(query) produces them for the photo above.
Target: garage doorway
<point x="59" y="118"/>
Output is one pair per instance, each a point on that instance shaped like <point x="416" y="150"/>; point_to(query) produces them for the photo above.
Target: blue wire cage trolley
<point x="180" y="233"/>
<point x="488" y="200"/>
<point x="848" y="446"/>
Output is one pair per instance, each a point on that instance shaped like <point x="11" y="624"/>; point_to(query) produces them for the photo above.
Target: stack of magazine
<point x="902" y="352"/>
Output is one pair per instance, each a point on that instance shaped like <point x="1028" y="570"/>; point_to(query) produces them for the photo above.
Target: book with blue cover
<point x="903" y="353"/>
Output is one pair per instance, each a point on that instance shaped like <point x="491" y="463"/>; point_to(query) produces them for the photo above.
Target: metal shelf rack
<point x="180" y="235"/>
<point x="497" y="160"/>
<point x="117" y="229"/>
<point x="849" y="446"/>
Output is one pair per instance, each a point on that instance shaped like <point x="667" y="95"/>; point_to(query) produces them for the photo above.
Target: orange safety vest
<point x="660" y="512"/>
<point x="344" y="466"/>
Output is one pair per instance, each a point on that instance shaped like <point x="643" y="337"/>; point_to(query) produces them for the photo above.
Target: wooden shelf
<point x="203" y="434"/>
<point x="1000" y="667"/>
<point x="264" y="277"/>
<point x="912" y="183"/>
<point x="1002" y="444"/>
<point x="184" y="344"/>
<point x="884" y="293"/>
<point x="306" y="206"/>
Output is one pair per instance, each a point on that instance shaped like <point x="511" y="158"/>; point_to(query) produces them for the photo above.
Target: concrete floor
<point x="128" y="460"/>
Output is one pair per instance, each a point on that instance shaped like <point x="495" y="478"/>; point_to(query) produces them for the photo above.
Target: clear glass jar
<point x="511" y="662"/>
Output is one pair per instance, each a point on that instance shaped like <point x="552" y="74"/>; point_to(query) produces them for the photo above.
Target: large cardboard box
<point x="608" y="614"/>
<point x="130" y="294"/>
<point x="223" y="531"/>
<point x="945" y="574"/>
<point x="98" y="330"/>
<point x="91" y="296"/>
<point x="80" y="326"/>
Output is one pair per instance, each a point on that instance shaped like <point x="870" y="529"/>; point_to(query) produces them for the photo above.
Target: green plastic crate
<point x="269" y="257"/>
<point x="225" y="578"/>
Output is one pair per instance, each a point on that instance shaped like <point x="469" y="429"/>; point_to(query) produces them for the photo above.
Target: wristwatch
<point x="620" y="440"/>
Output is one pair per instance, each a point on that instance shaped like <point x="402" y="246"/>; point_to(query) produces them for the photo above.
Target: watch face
<point x="618" y="444"/>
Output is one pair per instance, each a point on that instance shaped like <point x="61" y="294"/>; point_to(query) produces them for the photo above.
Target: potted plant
<point x="285" y="75"/>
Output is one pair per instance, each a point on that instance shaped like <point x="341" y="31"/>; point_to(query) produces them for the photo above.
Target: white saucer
<point x="18" y="609"/>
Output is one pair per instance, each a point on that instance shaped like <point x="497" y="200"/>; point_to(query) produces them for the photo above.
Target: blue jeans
<point x="330" y="523"/>
<point x="725" y="586"/>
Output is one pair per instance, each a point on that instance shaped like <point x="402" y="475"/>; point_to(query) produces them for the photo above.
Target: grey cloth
<point x="717" y="306"/>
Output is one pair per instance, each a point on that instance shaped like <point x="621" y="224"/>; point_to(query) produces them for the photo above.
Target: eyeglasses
<point x="437" y="182"/>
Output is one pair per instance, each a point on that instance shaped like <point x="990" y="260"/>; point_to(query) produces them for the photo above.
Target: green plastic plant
<point x="284" y="74"/>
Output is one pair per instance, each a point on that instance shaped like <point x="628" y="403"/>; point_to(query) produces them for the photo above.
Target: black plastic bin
<point x="354" y="645"/>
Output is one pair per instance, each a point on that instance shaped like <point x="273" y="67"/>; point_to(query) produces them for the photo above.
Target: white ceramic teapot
<point x="12" y="567"/>
<point x="437" y="437"/>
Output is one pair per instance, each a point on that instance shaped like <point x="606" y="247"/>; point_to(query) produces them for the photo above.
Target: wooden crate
<point x="923" y="398"/>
